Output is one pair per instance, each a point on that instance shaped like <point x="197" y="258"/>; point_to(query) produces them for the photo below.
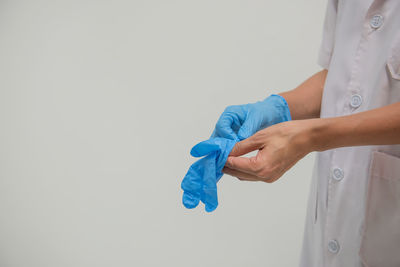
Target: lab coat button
<point x="355" y="101"/>
<point x="338" y="174"/>
<point x="376" y="21"/>
<point x="333" y="246"/>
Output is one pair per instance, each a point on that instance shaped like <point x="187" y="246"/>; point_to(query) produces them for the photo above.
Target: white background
<point x="100" y="103"/>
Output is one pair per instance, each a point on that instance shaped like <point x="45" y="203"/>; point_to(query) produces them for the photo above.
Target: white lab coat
<point x="353" y="216"/>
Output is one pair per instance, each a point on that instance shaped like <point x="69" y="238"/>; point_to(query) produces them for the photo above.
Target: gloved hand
<point x="242" y="121"/>
<point x="200" y="182"/>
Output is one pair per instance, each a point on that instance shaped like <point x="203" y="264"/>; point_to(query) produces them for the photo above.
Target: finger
<point x="246" y="146"/>
<point x="240" y="175"/>
<point x="252" y="165"/>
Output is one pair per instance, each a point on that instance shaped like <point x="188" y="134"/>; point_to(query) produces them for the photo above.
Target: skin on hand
<point x="279" y="148"/>
<point x="282" y="145"/>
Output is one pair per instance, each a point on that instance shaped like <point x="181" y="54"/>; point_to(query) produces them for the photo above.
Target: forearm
<point x="374" y="127"/>
<point x="305" y="100"/>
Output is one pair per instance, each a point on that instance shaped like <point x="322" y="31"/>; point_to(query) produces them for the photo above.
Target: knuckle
<point x="221" y="120"/>
<point x="231" y="164"/>
<point x="235" y="150"/>
<point x="230" y="108"/>
<point x="238" y="146"/>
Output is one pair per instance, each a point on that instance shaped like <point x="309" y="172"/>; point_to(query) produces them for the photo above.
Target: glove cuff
<point x="282" y="106"/>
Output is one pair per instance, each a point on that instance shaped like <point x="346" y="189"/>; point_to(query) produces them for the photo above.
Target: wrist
<point x="305" y="135"/>
<point x="310" y="135"/>
<point x="322" y="134"/>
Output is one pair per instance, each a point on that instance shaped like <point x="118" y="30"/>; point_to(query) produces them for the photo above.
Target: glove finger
<point x="189" y="200"/>
<point x="209" y="197"/>
<point x="192" y="185"/>
<point x="209" y="186"/>
<point x="204" y="148"/>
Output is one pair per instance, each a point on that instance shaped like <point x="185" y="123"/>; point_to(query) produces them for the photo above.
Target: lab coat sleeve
<point x="328" y="35"/>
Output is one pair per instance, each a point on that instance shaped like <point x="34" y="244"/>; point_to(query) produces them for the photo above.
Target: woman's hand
<point x="242" y="121"/>
<point x="279" y="147"/>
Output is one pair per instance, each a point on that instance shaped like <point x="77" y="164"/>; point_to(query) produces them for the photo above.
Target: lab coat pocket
<point x="381" y="235"/>
<point x="393" y="62"/>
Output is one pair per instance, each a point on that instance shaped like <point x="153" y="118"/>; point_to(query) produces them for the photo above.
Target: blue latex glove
<point x="200" y="182"/>
<point x="242" y="121"/>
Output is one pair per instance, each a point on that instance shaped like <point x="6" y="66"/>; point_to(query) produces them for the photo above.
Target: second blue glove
<point x="200" y="182"/>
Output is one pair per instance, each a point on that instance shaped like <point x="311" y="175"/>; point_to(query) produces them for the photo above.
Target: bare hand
<point x="279" y="147"/>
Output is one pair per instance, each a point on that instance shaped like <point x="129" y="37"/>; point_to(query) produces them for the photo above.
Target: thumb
<point x="245" y="146"/>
